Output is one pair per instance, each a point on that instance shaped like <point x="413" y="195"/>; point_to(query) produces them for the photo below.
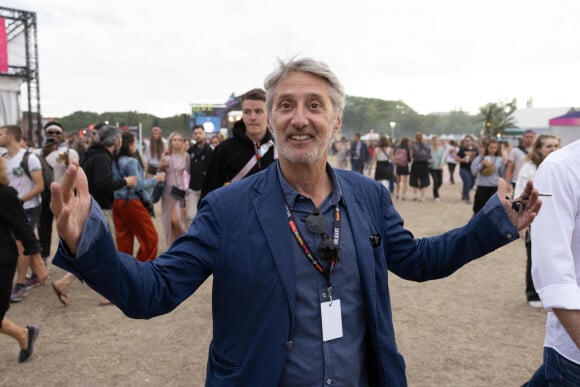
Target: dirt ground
<point x="472" y="329"/>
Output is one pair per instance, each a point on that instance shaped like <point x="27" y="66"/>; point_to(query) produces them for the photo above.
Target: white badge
<point x="331" y="320"/>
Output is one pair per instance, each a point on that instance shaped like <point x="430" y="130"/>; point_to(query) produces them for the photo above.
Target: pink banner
<point x="3" y="47"/>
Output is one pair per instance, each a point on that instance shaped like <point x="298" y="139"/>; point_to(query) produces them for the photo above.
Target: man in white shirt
<point x="29" y="186"/>
<point x="556" y="266"/>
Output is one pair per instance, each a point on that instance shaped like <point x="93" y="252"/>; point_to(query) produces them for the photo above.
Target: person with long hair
<point x="402" y="167"/>
<point x="542" y="147"/>
<point x="383" y="161"/>
<point x="132" y="219"/>
<point x="487" y="169"/>
<point x="467" y="152"/>
<point x="13" y="225"/>
<point x="154" y="152"/>
<point x="175" y="162"/>
<point x="420" y="156"/>
<point x="450" y="153"/>
<point x="436" y="166"/>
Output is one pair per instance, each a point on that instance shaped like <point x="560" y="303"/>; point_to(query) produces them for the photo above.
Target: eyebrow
<point x="309" y="96"/>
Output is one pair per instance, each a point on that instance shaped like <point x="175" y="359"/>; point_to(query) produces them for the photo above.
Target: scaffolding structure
<point x="21" y="36"/>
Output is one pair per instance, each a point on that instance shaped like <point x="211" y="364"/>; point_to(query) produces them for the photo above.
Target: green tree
<point x="496" y="117"/>
<point x="361" y="114"/>
<point x="79" y="120"/>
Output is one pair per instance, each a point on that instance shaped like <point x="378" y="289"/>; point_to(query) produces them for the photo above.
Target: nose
<point x="299" y="120"/>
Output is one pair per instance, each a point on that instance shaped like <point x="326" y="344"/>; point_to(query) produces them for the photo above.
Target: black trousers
<point x="437" y="176"/>
<point x="531" y="294"/>
<point x="451" y="167"/>
<point x="45" y="225"/>
<point x="482" y="195"/>
<point x="6" y="276"/>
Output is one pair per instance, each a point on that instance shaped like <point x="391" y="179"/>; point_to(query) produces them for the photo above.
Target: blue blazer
<point x="241" y="236"/>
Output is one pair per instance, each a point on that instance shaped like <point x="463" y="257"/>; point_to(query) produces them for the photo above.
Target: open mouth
<point x="300" y="137"/>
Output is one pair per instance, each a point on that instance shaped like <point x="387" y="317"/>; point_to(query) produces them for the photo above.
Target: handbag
<point x="146" y="203"/>
<point x="177" y="192"/>
<point x="490" y="169"/>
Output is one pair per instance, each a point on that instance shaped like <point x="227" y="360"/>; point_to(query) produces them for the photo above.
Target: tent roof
<point x="571" y="118"/>
<point x="536" y="118"/>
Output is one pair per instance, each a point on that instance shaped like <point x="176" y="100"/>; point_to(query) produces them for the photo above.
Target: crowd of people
<point x="103" y="200"/>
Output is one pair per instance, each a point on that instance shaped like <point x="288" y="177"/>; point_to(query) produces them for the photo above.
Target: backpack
<point x="421" y="152"/>
<point x="47" y="172"/>
<point x="400" y="157"/>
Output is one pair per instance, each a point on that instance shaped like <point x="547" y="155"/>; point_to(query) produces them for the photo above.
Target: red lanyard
<point x="257" y="150"/>
<point x="306" y="249"/>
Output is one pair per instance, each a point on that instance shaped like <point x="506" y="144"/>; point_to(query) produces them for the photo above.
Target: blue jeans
<point x="556" y="371"/>
<point x="468" y="181"/>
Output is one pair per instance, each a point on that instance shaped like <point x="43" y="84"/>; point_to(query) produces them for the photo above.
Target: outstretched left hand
<point x="529" y="206"/>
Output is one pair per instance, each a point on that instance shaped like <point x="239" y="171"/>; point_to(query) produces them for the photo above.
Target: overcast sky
<point x="435" y="55"/>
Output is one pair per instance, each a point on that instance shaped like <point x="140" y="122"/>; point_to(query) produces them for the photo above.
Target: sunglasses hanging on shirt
<point x="327" y="250"/>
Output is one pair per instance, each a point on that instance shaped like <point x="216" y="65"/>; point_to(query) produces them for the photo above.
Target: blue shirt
<point x="312" y="362"/>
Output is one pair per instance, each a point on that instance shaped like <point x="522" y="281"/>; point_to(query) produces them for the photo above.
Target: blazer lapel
<point x="269" y="206"/>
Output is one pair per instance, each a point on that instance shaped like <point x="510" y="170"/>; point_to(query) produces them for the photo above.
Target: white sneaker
<point x="536" y="304"/>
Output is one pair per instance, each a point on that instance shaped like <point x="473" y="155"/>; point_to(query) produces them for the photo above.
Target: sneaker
<point x="436" y="199"/>
<point x="18" y="293"/>
<point x="31" y="282"/>
<point x="535" y="304"/>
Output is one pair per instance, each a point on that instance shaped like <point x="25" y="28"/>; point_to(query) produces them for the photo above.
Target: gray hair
<point x="305" y="65"/>
<point x="108" y="134"/>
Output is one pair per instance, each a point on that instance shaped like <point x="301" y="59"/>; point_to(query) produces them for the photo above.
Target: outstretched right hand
<point x="71" y="204"/>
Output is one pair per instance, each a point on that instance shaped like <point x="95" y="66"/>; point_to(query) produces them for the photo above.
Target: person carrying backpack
<point x="420" y="154"/>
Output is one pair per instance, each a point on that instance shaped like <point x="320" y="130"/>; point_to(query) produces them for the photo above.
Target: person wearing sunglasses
<point x="299" y="253"/>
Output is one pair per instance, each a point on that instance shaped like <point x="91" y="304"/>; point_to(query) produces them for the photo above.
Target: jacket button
<point x="288" y="344"/>
<point x="509" y="236"/>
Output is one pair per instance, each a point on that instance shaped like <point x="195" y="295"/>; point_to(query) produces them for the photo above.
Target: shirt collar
<point x="290" y="193"/>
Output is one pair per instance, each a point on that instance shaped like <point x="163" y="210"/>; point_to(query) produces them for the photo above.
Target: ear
<point x="270" y="124"/>
<point x="337" y="124"/>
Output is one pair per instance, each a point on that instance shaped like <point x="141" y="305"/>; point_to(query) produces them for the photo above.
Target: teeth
<point x="300" y="138"/>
